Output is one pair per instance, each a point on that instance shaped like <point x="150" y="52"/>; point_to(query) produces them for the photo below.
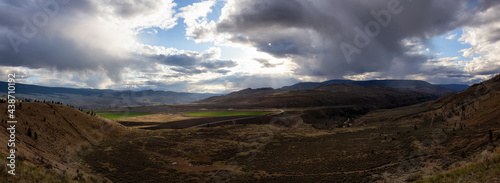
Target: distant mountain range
<point x="302" y="94"/>
<point x="100" y="99"/>
<point x="366" y="97"/>
<point x="455" y="87"/>
<point x="400" y="84"/>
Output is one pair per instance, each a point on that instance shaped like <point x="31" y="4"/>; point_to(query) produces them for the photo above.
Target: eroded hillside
<point x="55" y="136"/>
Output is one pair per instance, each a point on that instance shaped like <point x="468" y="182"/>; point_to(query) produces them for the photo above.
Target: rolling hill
<point x="402" y="144"/>
<point x="415" y="142"/>
<point x="464" y="139"/>
<point x="372" y="97"/>
<point x="53" y="137"/>
<point x="478" y="105"/>
<point x="100" y="99"/>
<point x="415" y="85"/>
<point x="243" y="96"/>
<point x="454" y="87"/>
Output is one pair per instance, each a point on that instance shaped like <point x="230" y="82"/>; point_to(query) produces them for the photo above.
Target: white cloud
<point x="451" y="37"/>
<point x="139" y="14"/>
<point x="484" y="40"/>
<point x="198" y="27"/>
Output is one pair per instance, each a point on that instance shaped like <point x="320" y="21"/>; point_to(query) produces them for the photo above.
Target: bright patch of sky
<point x="448" y="45"/>
<point x="176" y="36"/>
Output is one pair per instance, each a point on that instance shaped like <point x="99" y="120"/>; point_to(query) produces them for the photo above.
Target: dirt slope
<point x="478" y="105"/>
<point x="55" y="136"/>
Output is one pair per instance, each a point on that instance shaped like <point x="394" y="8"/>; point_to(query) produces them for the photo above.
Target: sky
<point x="219" y="46"/>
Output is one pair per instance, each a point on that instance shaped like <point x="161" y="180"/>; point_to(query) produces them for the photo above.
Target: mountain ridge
<point x="100" y="99"/>
<point x="411" y="85"/>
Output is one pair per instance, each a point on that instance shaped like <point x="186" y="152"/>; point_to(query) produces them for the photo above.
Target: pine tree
<point x="491" y="135"/>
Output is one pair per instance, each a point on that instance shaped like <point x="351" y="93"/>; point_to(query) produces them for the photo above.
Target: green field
<point x="224" y="113"/>
<point x="117" y="115"/>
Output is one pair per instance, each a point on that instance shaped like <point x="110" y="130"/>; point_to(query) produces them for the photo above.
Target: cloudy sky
<point x="219" y="46"/>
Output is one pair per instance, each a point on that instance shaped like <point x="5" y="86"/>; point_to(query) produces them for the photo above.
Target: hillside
<point x="409" y="85"/>
<point x="472" y="119"/>
<point x="478" y="105"/>
<point x="100" y="99"/>
<point x="454" y="87"/>
<point x="414" y="85"/>
<point x="372" y="97"/>
<point x="54" y="136"/>
<point x="434" y="140"/>
<point x="425" y="142"/>
<point x="464" y="136"/>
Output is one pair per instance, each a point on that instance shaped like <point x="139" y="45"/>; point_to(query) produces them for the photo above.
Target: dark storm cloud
<point x="223" y="71"/>
<point x="178" y="60"/>
<point x="218" y="64"/>
<point x="128" y="9"/>
<point x="311" y="32"/>
<point x="34" y="35"/>
<point x="265" y="63"/>
<point x="78" y="36"/>
<point x="192" y="63"/>
<point x="486" y="4"/>
<point x="459" y="76"/>
<point x="186" y="70"/>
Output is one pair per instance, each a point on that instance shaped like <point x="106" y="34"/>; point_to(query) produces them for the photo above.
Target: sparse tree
<point x="36" y="136"/>
<point x="491" y="134"/>
<point x="29" y="132"/>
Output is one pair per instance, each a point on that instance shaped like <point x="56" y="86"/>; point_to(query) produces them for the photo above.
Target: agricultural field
<point x="117" y="115"/>
<point x="225" y="113"/>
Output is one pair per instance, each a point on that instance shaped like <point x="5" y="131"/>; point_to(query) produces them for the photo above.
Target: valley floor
<point x="394" y="148"/>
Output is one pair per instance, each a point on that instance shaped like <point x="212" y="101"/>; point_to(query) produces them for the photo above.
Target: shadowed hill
<point x="371" y="97"/>
<point x="455" y="87"/>
<point x="55" y="136"/>
<point x="464" y="128"/>
<point x="479" y="104"/>
<point x="414" y="85"/>
<point x="100" y="99"/>
<point x="409" y="85"/>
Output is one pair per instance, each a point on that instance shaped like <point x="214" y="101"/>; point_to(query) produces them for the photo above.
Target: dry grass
<point x="62" y="135"/>
<point x="27" y="172"/>
<point x="485" y="169"/>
